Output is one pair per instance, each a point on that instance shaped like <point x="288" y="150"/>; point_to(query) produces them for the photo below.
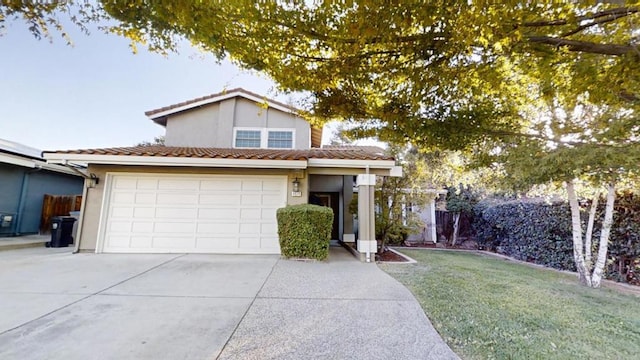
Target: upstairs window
<point x="280" y="140"/>
<point x="248" y="138"/>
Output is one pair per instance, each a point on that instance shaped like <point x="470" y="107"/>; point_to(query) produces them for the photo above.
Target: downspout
<point x="76" y="244"/>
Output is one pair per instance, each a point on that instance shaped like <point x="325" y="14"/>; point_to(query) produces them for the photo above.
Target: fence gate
<point x="57" y="205"/>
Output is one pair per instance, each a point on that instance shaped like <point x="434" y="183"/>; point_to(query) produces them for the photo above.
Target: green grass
<point x="487" y="308"/>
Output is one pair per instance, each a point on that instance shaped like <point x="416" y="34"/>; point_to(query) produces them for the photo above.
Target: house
<point x="230" y="160"/>
<point x="24" y="180"/>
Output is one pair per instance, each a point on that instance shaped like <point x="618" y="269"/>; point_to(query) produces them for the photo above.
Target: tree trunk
<point x="588" y="236"/>
<point x="598" y="270"/>
<point x="576" y="231"/>
<point x="456" y="228"/>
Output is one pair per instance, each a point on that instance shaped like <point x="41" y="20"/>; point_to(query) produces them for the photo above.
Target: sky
<point x="94" y="94"/>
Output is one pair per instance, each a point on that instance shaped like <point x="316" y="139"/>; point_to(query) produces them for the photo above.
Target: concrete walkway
<point x="22" y="242"/>
<point x="56" y="305"/>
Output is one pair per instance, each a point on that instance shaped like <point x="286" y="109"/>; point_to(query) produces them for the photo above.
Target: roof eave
<point x="56" y="158"/>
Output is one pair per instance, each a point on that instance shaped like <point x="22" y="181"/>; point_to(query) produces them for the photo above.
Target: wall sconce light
<point x="296" y="185"/>
<point x="93" y="180"/>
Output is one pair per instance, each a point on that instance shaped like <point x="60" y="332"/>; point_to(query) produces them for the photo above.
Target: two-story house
<point x="230" y="160"/>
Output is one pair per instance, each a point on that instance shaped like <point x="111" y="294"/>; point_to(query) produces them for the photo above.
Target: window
<point x="280" y="139"/>
<point x="248" y="138"/>
<point x="263" y="138"/>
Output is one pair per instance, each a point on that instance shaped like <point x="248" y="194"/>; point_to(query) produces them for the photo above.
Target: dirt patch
<point x="390" y="256"/>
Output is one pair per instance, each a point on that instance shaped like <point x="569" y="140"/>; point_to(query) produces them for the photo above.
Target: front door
<point x="331" y="200"/>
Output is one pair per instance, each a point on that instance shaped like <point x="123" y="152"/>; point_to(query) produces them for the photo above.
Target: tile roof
<point x="351" y="153"/>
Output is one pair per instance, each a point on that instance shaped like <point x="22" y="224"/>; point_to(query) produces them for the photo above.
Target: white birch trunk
<point x="576" y="231"/>
<point x="589" y="235"/>
<point x="456" y="227"/>
<point x="598" y="269"/>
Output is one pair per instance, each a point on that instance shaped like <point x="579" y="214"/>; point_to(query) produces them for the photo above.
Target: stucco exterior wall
<point x="196" y="127"/>
<point x="212" y="125"/>
<point x="95" y="196"/>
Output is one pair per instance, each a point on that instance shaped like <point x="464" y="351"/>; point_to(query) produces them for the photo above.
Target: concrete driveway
<point x="56" y="305"/>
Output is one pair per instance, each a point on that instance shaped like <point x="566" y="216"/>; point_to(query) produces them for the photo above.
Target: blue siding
<point x="38" y="183"/>
<point x="10" y="186"/>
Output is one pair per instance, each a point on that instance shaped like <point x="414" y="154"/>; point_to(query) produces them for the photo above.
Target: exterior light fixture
<point x="296" y="185"/>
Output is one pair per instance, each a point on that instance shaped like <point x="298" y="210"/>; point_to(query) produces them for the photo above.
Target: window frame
<point x="235" y="137"/>
<point x="264" y="137"/>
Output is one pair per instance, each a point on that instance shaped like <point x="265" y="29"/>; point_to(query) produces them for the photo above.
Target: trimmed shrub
<point x="305" y="231"/>
<point x="532" y="231"/>
<point x="540" y="232"/>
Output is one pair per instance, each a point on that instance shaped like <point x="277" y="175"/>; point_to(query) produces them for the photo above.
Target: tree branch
<point x="583" y="46"/>
<point x="617" y="12"/>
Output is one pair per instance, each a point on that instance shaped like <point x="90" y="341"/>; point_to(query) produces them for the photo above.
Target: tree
<point x="157" y="141"/>
<point x="393" y="195"/>
<point x="446" y="75"/>
<point x="459" y="201"/>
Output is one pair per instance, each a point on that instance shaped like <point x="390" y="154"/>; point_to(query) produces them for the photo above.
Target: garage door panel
<point x="147" y="184"/>
<point x="193" y="213"/>
<point x="219" y="213"/>
<point x="126" y="212"/>
<point x="177" y="198"/>
<point x="145" y="198"/>
<point x="220" y="199"/>
<point x="125" y="183"/>
<point x="144" y="213"/>
<point x="251" y="185"/>
<point x="250" y="200"/>
<point x="141" y="242"/>
<point x="174" y="227"/>
<point x="124" y="197"/>
<point x="142" y="227"/>
<point x="221" y="185"/>
<point x="178" y="184"/>
<point x="176" y="213"/>
<point x="120" y="226"/>
<point x="218" y="228"/>
<point x="172" y="243"/>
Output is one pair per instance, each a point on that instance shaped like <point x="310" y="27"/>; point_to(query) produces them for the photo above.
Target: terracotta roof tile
<point x="351" y="153"/>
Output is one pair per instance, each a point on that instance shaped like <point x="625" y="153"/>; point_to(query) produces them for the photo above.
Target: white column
<point x="366" y="214"/>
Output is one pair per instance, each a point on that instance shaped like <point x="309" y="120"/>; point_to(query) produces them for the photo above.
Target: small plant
<point x="304" y="231"/>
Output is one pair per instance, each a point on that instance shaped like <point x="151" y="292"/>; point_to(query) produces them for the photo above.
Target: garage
<point x="152" y="213"/>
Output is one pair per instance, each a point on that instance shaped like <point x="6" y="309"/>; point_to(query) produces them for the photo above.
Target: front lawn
<point x="487" y="308"/>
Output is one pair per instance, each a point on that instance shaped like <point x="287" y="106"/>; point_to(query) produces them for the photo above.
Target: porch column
<point x="367" y="244"/>
<point x="347" y="218"/>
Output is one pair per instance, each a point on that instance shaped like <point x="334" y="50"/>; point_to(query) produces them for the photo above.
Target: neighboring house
<point x="427" y="215"/>
<point x="24" y="180"/>
<point x="231" y="160"/>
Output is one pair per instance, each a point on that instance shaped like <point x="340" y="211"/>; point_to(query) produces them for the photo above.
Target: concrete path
<point x="55" y="305"/>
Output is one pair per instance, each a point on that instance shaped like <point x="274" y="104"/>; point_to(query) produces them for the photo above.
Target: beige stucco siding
<point x="195" y="128"/>
<point x="95" y="196"/>
<point x="213" y="125"/>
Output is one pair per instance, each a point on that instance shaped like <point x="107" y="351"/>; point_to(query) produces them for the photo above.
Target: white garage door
<point x="193" y="214"/>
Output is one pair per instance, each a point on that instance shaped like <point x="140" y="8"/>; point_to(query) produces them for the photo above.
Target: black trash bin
<point x="61" y="230"/>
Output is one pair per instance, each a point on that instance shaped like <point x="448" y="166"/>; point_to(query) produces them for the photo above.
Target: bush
<point x="534" y="231"/>
<point x="540" y="232"/>
<point x="305" y="231"/>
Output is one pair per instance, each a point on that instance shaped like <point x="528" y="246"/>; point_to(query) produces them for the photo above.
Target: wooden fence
<point x="57" y="205"/>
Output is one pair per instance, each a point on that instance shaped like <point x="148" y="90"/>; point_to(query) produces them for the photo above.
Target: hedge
<point x="305" y="231"/>
<point x="536" y="232"/>
<point x="540" y="232"/>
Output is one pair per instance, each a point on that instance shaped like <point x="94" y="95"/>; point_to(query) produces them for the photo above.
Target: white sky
<point x="94" y="94"/>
